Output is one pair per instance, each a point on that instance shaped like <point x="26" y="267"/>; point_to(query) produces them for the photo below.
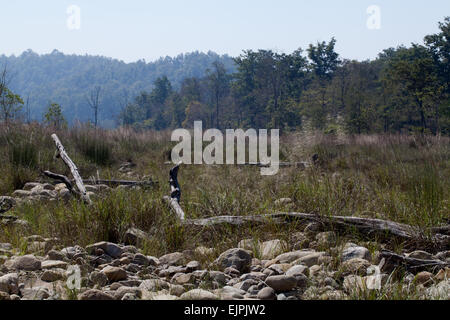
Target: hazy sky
<point x="134" y="29"/>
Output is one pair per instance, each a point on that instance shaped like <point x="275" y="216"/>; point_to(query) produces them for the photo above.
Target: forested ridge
<point x="69" y="79"/>
<point x="405" y="89"/>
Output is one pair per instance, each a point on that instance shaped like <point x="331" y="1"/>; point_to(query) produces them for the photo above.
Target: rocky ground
<point x="109" y="271"/>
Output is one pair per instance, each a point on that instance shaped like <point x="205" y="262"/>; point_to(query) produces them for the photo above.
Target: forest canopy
<point x="405" y="89"/>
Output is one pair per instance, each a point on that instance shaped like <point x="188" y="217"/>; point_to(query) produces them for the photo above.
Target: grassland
<point x="402" y="178"/>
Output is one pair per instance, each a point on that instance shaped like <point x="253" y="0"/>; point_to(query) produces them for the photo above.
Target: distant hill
<point x="67" y="79"/>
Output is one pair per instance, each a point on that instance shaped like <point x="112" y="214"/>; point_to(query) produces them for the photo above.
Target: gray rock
<point x="118" y="295"/>
<point x="52" y="275"/>
<point x="237" y="258"/>
<point x="114" y="273"/>
<point x="281" y="283"/>
<point x="192" y="266"/>
<point x="199" y="294"/>
<point x="183" y="278"/>
<point x="296" y="270"/>
<point x="173" y="259"/>
<point x="292" y="256"/>
<point x="170" y="271"/>
<point x="129" y="296"/>
<point x="36" y="293"/>
<point x="271" y="249"/>
<point x="232" y="272"/>
<point x="4" y="296"/>
<point x="355" y="252"/>
<point x="55" y="255"/>
<point x="98" y="278"/>
<point x="30" y="185"/>
<point x="310" y="259"/>
<point x="111" y="249"/>
<point x="140" y="259"/>
<point x="154" y="285"/>
<point x="9" y="283"/>
<point x="246" y="284"/>
<point x="230" y="293"/>
<point x="326" y="239"/>
<point x="135" y="236"/>
<point x="27" y="263"/>
<point x="259" y="276"/>
<point x="73" y="252"/>
<point x="51" y="264"/>
<point x="21" y="194"/>
<point x="219" y="277"/>
<point x="281" y="297"/>
<point x="94" y="294"/>
<point x="282" y="201"/>
<point x="267" y="293"/>
<point x="356" y="266"/>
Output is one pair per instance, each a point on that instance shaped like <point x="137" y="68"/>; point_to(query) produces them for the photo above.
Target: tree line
<point x="405" y="89"/>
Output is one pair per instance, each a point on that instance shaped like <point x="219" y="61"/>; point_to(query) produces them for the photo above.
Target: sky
<point x="136" y="29"/>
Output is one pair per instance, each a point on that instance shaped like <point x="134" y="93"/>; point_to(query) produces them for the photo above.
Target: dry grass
<point x="396" y="177"/>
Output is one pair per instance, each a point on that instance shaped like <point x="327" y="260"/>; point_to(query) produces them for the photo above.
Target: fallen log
<point x="119" y="182"/>
<point x="73" y="169"/>
<point x="367" y="226"/>
<point x="301" y="164"/>
<point x="411" y="264"/>
<point x="175" y="193"/>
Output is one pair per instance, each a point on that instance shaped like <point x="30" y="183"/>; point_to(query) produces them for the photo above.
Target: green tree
<point x="218" y="83"/>
<point x="415" y="74"/>
<point x="54" y="117"/>
<point x="324" y="62"/>
<point x="10" y="105"/>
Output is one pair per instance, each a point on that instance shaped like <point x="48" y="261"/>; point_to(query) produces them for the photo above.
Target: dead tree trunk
<point x="411" y="264"/>
<point x="73" y="169"/>
<point x="95" y="181"/>
<point x="175" y="193"/>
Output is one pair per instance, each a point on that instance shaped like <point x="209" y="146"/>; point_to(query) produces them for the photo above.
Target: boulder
<point x="9" y="283"/>
<point x="94" y="294"/>
<point x="353" y="252"/>
<point x="198" y="294"/>
<point x="281" y="283"/>
<point x="114" y="273"/>
<point x="271" y="249"/>
<point x="267" y="293"/>
<point x="236" y="258"/>
<point x="27" y="263"/>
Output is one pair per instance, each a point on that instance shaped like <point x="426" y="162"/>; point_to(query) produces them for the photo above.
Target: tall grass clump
<point x="95" y="147"/>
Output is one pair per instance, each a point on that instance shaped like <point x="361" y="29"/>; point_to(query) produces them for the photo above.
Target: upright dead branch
<point x="73" y="169"/>
<point x="175" y="193"/>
